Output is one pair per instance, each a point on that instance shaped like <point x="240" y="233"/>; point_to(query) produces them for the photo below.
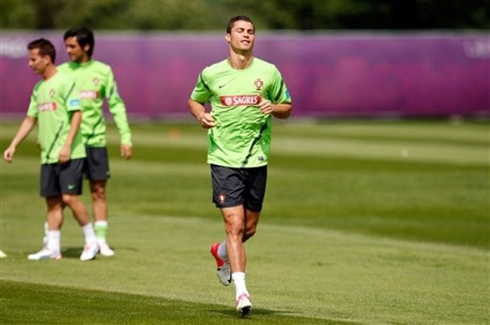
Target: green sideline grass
<point x="364" y="222"/>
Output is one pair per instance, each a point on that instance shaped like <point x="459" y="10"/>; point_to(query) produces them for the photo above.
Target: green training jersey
<point x="52" y="103"/>
<point x="95" y="81"/>
<point x="242" y="135"/>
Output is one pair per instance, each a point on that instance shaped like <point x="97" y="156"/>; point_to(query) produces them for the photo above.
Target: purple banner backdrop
<point x="328" y="75"/>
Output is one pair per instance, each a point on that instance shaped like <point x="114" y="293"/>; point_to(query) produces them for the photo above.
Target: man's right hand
<point x="8" y="154"/>
<point x="206" y="121"/>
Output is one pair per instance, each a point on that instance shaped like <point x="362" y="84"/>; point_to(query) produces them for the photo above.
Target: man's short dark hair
<point x="84" y="36"/>
<point x="45" y="48"/>
<point x="235" y="19"/>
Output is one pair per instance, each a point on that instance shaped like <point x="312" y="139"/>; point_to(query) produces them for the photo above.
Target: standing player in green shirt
<point x="55" y="107"/>
<point x="96" y="82"/>
<point x="244" y="91"/>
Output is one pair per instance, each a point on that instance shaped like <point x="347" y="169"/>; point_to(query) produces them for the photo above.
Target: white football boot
<point x="89" y="251"/>
<point x="244" y="305"/>
<point x="44" y="254"/>
<point x="104" y="249"/>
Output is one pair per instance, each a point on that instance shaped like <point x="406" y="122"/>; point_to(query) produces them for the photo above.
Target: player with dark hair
<point x="55" y="107"/>
<point x="95" y="81"/>
<point x="84" y="37"/>
<point x="244" y="92"/>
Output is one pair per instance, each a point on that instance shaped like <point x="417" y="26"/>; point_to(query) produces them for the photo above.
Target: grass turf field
<point x="364" y="222"/>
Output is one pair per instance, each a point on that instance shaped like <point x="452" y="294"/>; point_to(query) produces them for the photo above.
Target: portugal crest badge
<point x="222" y="198"/>
<point x="258" y="83"/>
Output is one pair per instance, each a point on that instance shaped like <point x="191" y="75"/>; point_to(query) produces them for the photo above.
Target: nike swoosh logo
<point x="226" y="82"/>
<point x="71" y="187"/>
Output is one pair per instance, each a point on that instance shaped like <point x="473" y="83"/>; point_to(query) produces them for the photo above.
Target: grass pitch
<point x="364" y="222"/>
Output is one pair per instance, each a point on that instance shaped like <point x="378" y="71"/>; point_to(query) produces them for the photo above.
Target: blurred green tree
<point x="365" y="14"/>
<point x="148" y="15"/>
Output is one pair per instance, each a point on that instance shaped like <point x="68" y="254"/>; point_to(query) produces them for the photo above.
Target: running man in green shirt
<point x="55" y="107"/>
<point x="95" y="81"/>
<point x="244" y="92"/>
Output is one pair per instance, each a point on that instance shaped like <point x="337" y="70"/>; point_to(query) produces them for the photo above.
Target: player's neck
<point x="84" y="59"/>
<point x="49" y="72"/>
<point x="240" y="61"/>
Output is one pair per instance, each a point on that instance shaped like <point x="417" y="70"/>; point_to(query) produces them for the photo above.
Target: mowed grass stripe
<point x="386" y="145"/>
<point x="445" y="143"/>
<point x="376" y="150"/>
<point x="429" y="202"/>
<point x="468" y="133"/>
<point x="292" y="271"/>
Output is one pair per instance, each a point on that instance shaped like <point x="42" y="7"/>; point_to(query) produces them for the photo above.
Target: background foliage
<point x="267" y="14"/>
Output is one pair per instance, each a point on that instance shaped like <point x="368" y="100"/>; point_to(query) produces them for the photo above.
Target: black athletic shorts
<point x="97" y="164"/>
<point x="58" y="179"/>
<point x="239" y="186"/>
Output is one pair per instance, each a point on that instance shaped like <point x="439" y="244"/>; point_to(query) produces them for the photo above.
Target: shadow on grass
<point x="275" y="317"/>
<point x="75" y="252"/>
<point x="27" y="303"/>
<point x="72" y="252"/>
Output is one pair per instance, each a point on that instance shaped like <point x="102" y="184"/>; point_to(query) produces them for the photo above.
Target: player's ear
<point x="47" y="59"/>
<point x="227" y="37"/>
<point x="86" y="47"/>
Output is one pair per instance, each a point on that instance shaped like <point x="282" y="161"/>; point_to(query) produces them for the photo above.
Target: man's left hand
<point x="126" y="151"/>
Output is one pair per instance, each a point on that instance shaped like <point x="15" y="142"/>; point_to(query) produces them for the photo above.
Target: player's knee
<point x="68" y="200"/>
<point x="54" y="203"/>
<point x="235" y="229"/>
<point x="98" y="194"/>
<point x="249" y="233"/>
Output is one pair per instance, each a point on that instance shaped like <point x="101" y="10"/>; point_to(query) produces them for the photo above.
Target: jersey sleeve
<point x="201" y="92"/>
<point x="32" y="111"/>
<point x="278" y="91"/>
<point x="117" y="109"/>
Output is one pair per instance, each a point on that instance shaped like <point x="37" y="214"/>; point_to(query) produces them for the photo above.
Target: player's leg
<point x="71" y="175"/>
<point x="50" y="190"/>
<point x="52" y="249"/>
<point x="226" y="192"/>
<point x="220" y="251"/>
<point x="251" y="222"/>
<point x="100" y="213"/>
<point x="255" y="180"/>
<point x="228" y="196"/>
<point x="97" y="164"/>
<point x="234" y="218"/>
<point x="99" y="200"/>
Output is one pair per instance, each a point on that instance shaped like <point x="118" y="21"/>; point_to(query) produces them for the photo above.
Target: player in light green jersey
<point x="55" y="107"/>
<point x="96" y="83"/>
<point x="244" y="92"/>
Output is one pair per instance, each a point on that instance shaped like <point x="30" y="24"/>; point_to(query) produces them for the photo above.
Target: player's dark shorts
<point x="58" y="179"/>
<point x="239" y="186"/>
<point x="97" y="164"/>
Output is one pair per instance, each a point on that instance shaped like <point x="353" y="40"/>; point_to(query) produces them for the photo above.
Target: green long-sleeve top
<point x="95" y="81"/>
